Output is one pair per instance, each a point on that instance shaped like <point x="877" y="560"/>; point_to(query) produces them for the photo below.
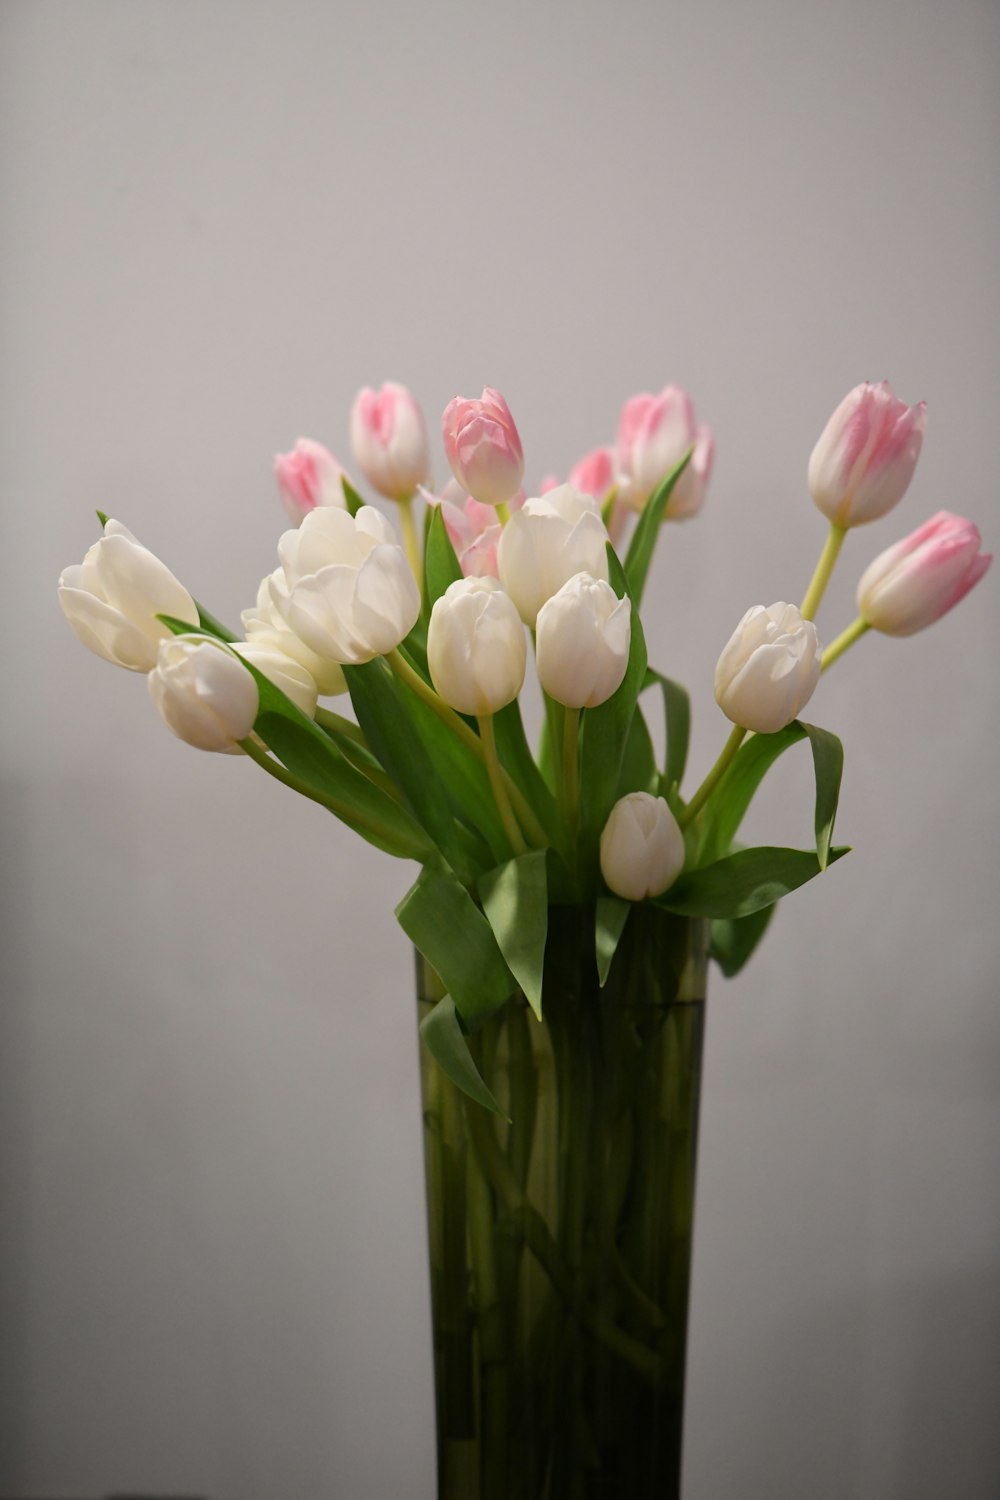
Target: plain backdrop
<point x="219" y="220"/>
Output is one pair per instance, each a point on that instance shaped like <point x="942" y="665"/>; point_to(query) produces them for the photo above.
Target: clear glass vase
<point x="560" y="1244"/>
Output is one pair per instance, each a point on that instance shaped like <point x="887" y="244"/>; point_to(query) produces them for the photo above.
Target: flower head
<point x="915" y="582"/>
<point x="866" y="455"/>
<point x="483" y="447"/>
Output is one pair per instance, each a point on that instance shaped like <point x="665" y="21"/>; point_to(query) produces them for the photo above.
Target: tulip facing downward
<point x="582" y="642"/>
<point x="915" y="582"/>
<point x="642" y="847"/>
<point x="476" y="649"/>
<point x="866" y="455"/>
<point x="769" y="668"/>
<point x="389" y="440"/>
<point x="483" y="447"/>
<point x="205" y="695"/>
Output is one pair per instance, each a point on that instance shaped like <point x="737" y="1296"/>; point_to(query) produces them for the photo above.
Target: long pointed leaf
<point x="677" y="718"/>
<point x="612" y="914"/>
<point x="515" y="900"/>
<point x="828" y="765"/>
<point x="441" y="567"/>
<point x="445" y="1041"/>
<point x="441" y="919"/>
<point x="644" y="538"/>
<point x="742" y="883"/>
<point x="734" y="939"/>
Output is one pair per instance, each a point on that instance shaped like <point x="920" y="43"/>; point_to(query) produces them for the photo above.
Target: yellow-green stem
<point x="503" y="513"/>
<point x="494" y="771"/>
<point x="326" y="719"/>
<point x="570" y="783"/>
<point x="846" y="638"/>
<point x="410" y="541"/>
<point x="821" y="577"/>
<point x="714" y="776"/>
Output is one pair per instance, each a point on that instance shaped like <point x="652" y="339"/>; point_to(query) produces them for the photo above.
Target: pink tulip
<point x="918" y="580"/>
<point x="389" y="440"/>
<point x="308" y="476"/>
<point x="594" y="474"/>
<point x="474" y="530"/>
<point x="654" y="433"/>
<point x="549" y="482"/>
<point x="483" y="447"/>
<point x="866" y="455"/>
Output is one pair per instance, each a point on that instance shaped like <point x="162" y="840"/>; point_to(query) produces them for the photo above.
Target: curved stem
<point x="410" y="541"/>
<point x="821" y="577"/>
<point x="337" y="724"/>
<point x="494" y="771"/>
<point x="846" y="638"/>
<point x="714" y="776"/>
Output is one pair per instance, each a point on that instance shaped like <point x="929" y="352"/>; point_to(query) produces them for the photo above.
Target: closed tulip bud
<point x="769" y="668"/>
<point x="389" y="440"/>
<point x="654" y="433"/>
<point x="594" y="474"/>
<point x="582" y="642"/>
<point x="642" y="847"/>
<point x="113" y="597"/>
<point x="483" y="447"/>
<point x="286" y="673"/>
<point x="308" y="476"/>
<point x="866" y="455"/>
<point x="204" y="693"/>
<point x="344" y="586"/>
<point x="476" y="649"/>
<point x="918" y="580"/>
<point x="265" y="628"/>
<point x="551" y="538"/>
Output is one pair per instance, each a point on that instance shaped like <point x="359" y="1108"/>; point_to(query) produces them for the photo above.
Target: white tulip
<point x="546" y="542"/>
<point x="476" y="650"/>
<point x="286" y="673"/>
<point x="264" y="627"/>
<point x="642" y="847"/>
<point x="582" y="642"/>
<point x="345" y="587"/>
<point x="769" y="669"/>
<point x="112" y="599"/>
<point x="204" y="693"/>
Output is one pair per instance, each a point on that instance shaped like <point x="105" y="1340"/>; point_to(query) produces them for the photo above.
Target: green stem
<point x="821" y="577"/>
<point x="714" y="776"/>
<point x="413" y="680"/>
<point x="337" y="724"/>
<point x="846" y="638"/>
<point x="494" y="771"/>
<point x="410" y="541"/>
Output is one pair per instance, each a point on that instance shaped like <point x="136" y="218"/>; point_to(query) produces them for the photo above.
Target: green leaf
<point x="742" y="883"/>
<point x="604" y="731"/>
<point x="352" y="499"/>
<point x="441" y="566"/>
<point x="211" y="626"/>
<point x="445" y="1041"/>
<point x="640" y="552"/>
<point x="638" y="768"/>
<point x="828" y="765"/>
<point x="441" y="919"/>
<point x="677" y="716"/>
<point x="515" y="900"/>
<point x="734" y="939"/>
<point x="103" y="518"/>
<point x="612" y="914"/>
<point x="516" y="757"/>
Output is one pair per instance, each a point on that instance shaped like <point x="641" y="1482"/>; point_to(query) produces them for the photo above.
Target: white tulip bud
<point x="546" y="542"/>
<point x="642" y="847"/>
<point x="345" y="587"/>
<point x="769" y="669"/>
<point x="582" y="642"/>
<point x="112" y="599"/>
<point x="476" y="649"/>
<point x="204" y="693"/>
<point x="286" y="673"/>
<point x="264" y="627"/>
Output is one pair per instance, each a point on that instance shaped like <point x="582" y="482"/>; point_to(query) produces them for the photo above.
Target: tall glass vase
<point x="560" y="1243"/>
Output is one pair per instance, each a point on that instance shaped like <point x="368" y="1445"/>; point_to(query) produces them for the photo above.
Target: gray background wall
<point x="219" y="220"/>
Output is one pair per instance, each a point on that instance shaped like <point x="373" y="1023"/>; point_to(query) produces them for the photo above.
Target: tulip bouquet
<point x="427" y="630"/>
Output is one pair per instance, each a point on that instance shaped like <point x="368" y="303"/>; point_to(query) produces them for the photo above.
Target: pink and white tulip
<point x="595" y="474"/>
<point x="389" y="440"/>
<point x="915" y="582"/>
<point x="866" y="455"/>
<point x="308" y="476"/>
<point x="483" y="447"/>
<point x="654" y="433"/>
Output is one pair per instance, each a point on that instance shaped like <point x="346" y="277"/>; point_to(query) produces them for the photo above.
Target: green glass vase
<point x="560" y="1243"/>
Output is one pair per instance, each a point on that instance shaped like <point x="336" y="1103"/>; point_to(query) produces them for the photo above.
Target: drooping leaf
<point x="612" y="914"/>
<point x="743" y="882"/>
<point x="643" y="543"/>
<point x="445" y="1040"/>
<point x="515" y="900"/>
<point x="828" y="765"/>
<point x="441" y="919"/>
<point x="677" y="717"/>
<point x="441" y="567"/>
<point x="734" y="939"/>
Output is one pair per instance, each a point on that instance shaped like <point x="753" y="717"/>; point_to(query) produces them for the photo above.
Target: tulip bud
<point x="551" y="538"/>
<point x="344" y="586"/>
<point x="582" y="642"/>
<point x="265" y="628"/>
<point x="654" y="433"/>
<point x="642" y="847"/>
<point x="865" y="458"/>
<point x="389" y="440"/>
<point x="476" y="649"/>
<point x="286" y="673"/>
<point x="204" y="693"/>
<point x="594" y="474"/>
<point x="308" y="476"/>
<point x="113" y="597"/>
<point x="914" y="583"/>
<point x="483" y="447"/>
<point x="769" y="668"/>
